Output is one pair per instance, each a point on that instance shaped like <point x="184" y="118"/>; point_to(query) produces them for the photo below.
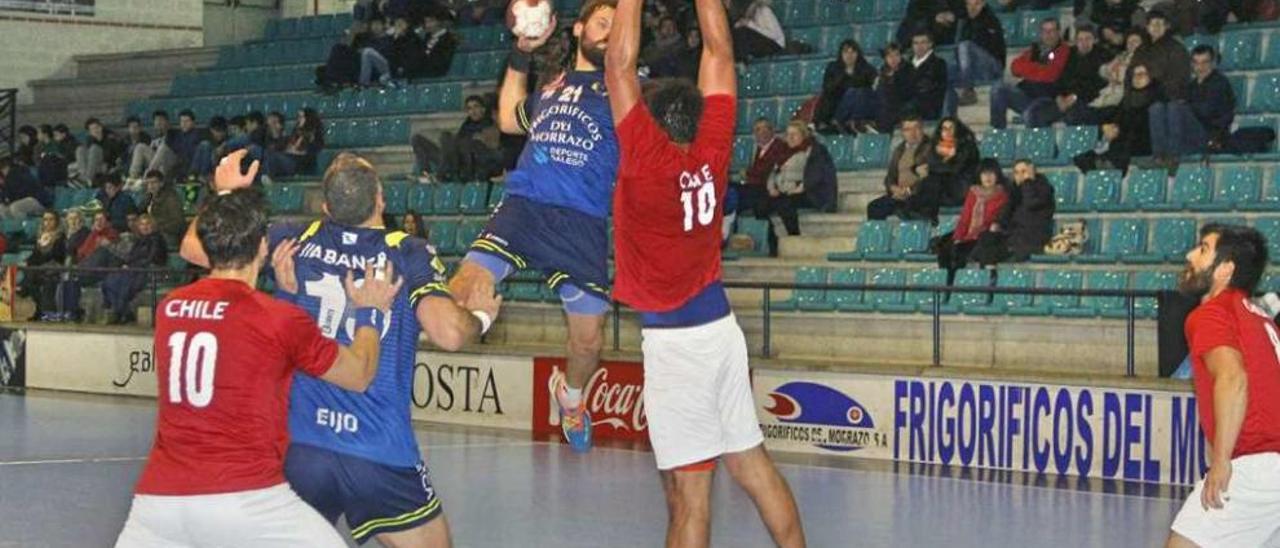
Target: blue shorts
<point x="568" y="246"/>
<point x="375" y="498"/>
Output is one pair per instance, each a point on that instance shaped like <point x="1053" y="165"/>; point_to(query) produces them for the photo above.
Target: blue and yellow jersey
<point x="374" y="425"/>
<point x="571" y="157"/>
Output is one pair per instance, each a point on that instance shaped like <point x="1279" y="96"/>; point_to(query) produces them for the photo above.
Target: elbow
<point x="361" y="385"/>
<point x="450" y="339"/>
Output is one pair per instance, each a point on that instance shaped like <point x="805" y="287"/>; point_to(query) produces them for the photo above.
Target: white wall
<point x="35" y="46"/>
<point x="299" y="8"/>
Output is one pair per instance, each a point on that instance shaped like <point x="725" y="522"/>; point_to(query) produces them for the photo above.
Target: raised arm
<point x="716" y="74"/>
<point x="226" y="177"/>
<point x="515" y="85"/>
<point x="620" y="60"/>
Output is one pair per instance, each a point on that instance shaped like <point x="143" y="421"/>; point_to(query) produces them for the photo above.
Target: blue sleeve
<point x="424" y="272"/>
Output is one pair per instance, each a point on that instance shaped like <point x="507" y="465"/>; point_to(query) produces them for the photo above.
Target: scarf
<point x="979" y="213"/>
<point x="946" y="147"/>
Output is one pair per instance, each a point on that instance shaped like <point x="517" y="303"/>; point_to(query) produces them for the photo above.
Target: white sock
<point x="572" y="397"/>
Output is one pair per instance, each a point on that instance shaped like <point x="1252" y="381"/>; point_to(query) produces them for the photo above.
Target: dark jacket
<point x="927" y="86"/>
<point x="118" y="209"/>
<point x="54" y="255"/>
<point x="1214" y="104"/>
<point x="893" y="91"/>
<point x="148" y="251"/>
<point x="922" y="14"/>
<point x="1028" y="217"/>
<point x="954" y="176"/>
<point x="835" y="81"/>
<point x="1168" y="63"/>
<point x="20" y="184"/>
<point x="762" y="167"/>
<point x="1115" y="16"/>
<point x="820" y="179"/>
<point x="76" y="239"/>
<point x="1040" y="69"/>
<point x="1134" y="120"/>
<point x="166" y="208"/>
<point x="985" y="31"/>
<point x="186" y="142"/>
<point x="1081" y="77"/>
<point x="429" y="56"/>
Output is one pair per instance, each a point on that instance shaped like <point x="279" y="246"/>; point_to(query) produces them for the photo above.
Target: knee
<point x="586" y="343"/>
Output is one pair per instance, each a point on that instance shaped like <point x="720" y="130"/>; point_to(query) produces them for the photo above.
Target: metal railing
<point x="9" y="120"/>
<point x="156" y="278"/>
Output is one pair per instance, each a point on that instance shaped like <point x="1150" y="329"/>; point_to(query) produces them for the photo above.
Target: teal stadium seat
<point x="961" y="300"/>
<point x="743" y="148"/>
<point x="468" y="231"/>
<point x="446" y="199"/>
<point x="1241" y="50"/>
<point x="1066" y="188"/>
<point x="811" y="72"/>
<point x="873" y="240"/>
<point x="1091" y="306"/>
<point x="843" y="149"/>
<point x="1270" y="199"/>
<point x="1240" y="185"/>
<point x="807" y="299"/>
<point x="286" y="198"/>
<point x="474" y="198"/>
<point x="784" y="79"/>
<point x="443" y="235"/>
<point x="1039" y="145"/>
<point x="918" y="301"/>
<point x="1043" y="305"/>
<point x="1172" y="238"/>
<point x="1193" y="189"/>
<point x="1076" y="140"/>
<point x="1149" y="280"/>
<point x="871" y="151"/>
<point x="755" y="81"/>
<point x="1146" y="190"/>
<point x="1270" y="229"/>
<point x="848" y="300"/>
<point x="396" y="195"/>
<point x="890" y="10"/>
<point x="1101" y="189"/>
<point x="912" y="241"/>
<point x="1000" y="144"/>
<point x="1123" y="238"/>
<point x="758" y="230"/>
<point x="1002" y="303"/>
<point x="497" y="191"/>
<point x="861" y="11"/>
<point x="888" y="298"/>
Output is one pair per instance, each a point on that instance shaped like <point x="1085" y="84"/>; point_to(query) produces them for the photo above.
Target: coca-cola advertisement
<point x="614" y="396"/>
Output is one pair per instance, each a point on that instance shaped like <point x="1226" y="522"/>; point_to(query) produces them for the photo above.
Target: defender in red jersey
<point x="1235" y="357"/>
<point x="675" y="143"/>
<point x="226" y="354"/>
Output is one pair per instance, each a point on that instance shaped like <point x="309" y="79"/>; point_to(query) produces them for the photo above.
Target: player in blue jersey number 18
<point x="554" y="218"/>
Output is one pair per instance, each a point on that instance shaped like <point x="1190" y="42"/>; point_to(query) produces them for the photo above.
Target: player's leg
<point x="745" y="456"/>
<point x="434" y="534"/>
<point x="396" y="505"/>
<point x="262" y="518"/>
<point x="154" y="522"/>
<point x="312" y="474"/>
<point x="1249" y="508"/>
<point x="688" y="491"/>
<point x="493" y="256"/>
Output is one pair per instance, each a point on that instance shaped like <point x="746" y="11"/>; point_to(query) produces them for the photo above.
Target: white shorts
<point x="697" y="393"/>
<point x="272" y="517"/>
<point x="1251" y="515"/>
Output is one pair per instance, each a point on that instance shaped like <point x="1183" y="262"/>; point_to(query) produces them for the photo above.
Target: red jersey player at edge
<point x="675" y="143"/>
<point x="1235" y="360"/>
<point x="226" y="355"/>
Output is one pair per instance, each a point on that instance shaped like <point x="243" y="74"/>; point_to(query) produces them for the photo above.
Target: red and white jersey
<point x="225" y="357"/>
<point x="1231" y="320"/>
<point x="667" y="207"/>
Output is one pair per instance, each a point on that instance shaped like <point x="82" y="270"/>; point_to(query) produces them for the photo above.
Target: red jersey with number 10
<point x="1231" y="320"/>
<point x="667" y="207"/>
<point x="225" y="356"/>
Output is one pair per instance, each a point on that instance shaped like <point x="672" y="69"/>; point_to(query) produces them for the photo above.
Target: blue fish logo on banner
<point x="816" y="404"/>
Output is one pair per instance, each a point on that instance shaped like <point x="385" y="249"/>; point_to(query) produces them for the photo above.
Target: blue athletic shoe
<point x="575" y="423"/>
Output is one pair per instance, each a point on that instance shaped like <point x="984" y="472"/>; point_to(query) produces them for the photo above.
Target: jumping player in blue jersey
<point x="554" y="218"/>
<point x="352" y="454"/>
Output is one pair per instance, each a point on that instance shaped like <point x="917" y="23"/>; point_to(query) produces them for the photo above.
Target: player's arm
<point x="515" y="85"/>
<point x="226" y="177"/>
<point x="621" y="58"/>
<point x="1230" y="398"/>
<point x="357" y="364"/>
<point x="716" y="74"/>
<point x="451" y="326"/>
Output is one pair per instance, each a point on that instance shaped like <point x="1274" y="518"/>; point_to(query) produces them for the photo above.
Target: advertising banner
<point x="614" y="396"/>
<point x="473" y="389"/>
<point x="101" y="363"/>
<point x="1107" y="433"/>
<point x="13" y="358"/>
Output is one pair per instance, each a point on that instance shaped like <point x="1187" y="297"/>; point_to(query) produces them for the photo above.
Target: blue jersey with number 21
<point x="374" y="425"/>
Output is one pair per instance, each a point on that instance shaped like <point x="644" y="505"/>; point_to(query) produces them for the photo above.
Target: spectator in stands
<point x="25" y="155"/>
<point x="377" y="48"/>
<point x="1114" y="16"/>
<point x="158" y="155"/>
<point x="164" y="205"/>
<point x="50" y="250"/>
<point x="983" y="204"/>
<point x="301" y="148"/>
<point x="847" y="103"/>
<point x="134" y="136"/>
<point x="689" y="60"/>
<point x="1103" y="107"/>
<point x="1133" y="115"/>
<point x="787" y="192"/>
<point x="342" y="66"/>
<point x="1080" y="84"/>
<point x="101" y="233"/>
<point x="892" y="89"/>
<point x="76" y="231"/>
<point x="56" y="156"/>
<point x="97" y="154"/>
<point x="980" y="50"/>
<point x="482" y="12"/>
<point x="473" y="153"/>
<point x="668" y="44"/>
<point x="23" y="196"/>
<point x="926" y="76"/>
<point x="952" y="165"/>
<point x="275" y="137"/>
<point x="908" y="165"/>
<point x="411" y="224"/>
<point x="210" y="150"/>
<point x="1202" y="122"/>
<point x="1028" y="219"/>
<point x="820" y="176"/>
<point x="1110" y="152"/>
<point x="758" y="33"/>
<point x="767" y="155"/>
<point x="937" y="18"/>
<point x="186" y="142"/>
<point x="1039" y="68"/>
<point x="1165" y="57"/>
<point x="119" y="288"/>
<point x="117" y="203"/>
<point x="366" y="11"/>
<point x="432" y="55"/>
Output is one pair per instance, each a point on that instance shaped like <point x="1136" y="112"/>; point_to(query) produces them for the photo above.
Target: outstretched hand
<point x="282" y="264"/>
<point x="228" y="176"/>
<point x="378" y="290"/>
<point x="527" y="45"/>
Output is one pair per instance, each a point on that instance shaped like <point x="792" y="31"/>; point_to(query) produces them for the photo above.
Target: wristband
<point x="519" y="61"/>
<point x="370" y="317"/>
<point x="224" y="192"/>
<point x="486" y="321"/>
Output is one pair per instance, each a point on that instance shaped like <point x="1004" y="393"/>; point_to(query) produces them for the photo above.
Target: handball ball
<point x="529" y="18"/>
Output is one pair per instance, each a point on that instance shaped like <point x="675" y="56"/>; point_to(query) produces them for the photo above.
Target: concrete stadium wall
<point x="36" y="46"/>
<point x="300" y="8"/>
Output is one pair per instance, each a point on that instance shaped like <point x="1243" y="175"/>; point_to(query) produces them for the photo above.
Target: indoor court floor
<point x="68" y="464"/>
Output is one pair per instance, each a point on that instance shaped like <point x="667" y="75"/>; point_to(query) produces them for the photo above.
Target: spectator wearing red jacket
<point x="768" y="154"/>
<point x="1039" y="68"/>
<point x="982" y="207"/>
